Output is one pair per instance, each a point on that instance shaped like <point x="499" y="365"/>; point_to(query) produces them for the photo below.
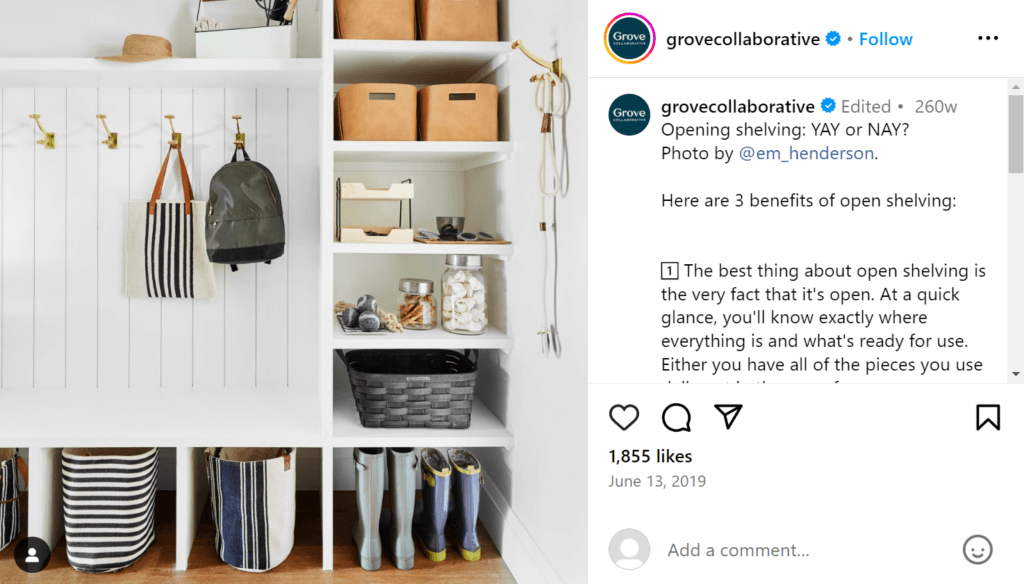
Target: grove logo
<point x="629" y="114"/>
<point x="629" y="38"/>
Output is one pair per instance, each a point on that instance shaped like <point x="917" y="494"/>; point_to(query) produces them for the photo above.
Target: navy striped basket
<point x="10" y="508"/>
<point x="252" y="500"/>
<point x="109" y="500"/>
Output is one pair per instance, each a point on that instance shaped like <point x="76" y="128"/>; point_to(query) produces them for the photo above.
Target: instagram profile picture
<point x="629" y="38"/>
<point x="629" y="549"/>
<point x="629" y="114"/>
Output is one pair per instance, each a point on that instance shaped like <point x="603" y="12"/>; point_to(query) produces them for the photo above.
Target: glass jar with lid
<point x="416" y="307"/>
<point x="464" y="297"/>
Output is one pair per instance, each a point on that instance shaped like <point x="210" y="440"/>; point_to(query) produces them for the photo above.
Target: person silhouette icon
<point x="32" y="555"/>
<point x="629" y="549"/>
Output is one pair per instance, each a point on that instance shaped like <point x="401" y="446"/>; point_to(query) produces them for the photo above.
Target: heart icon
<point x="624" y="416"/>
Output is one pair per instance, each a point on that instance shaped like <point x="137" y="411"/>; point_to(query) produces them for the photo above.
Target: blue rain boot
<point x="369" y="500"/>
<point x="466" y="493"/>
<point x="432" y="514"/>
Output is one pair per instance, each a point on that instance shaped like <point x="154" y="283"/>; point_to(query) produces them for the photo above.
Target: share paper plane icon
<point x="729" y="412"/>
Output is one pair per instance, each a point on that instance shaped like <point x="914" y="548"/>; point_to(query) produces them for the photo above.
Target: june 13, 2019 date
<point x="659" y="482"/>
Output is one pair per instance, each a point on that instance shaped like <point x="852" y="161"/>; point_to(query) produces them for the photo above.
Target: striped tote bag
<point x="10" y="507"/>
<point x="166" y="249"/>
<point x="252" y="500"/>
<point x="109" y="500"/>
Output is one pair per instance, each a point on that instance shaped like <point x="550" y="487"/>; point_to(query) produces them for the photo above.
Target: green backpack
<point x="245" y="216"/>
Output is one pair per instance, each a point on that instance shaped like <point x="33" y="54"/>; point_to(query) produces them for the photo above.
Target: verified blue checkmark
<point x="833" y="38"/>
<point x="828" y="105"/>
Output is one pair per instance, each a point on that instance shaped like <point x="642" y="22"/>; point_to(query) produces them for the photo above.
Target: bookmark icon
<point x="729" y="412"/>
<point x="988" y="415"/>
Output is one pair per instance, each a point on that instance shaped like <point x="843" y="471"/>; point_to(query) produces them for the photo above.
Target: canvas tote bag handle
<point x="22" y="467"/>
<point x="186" y="184"/>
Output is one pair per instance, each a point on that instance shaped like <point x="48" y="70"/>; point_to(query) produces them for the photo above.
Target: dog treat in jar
<point x="417" y="309"/>
<point x="464" y="299"/>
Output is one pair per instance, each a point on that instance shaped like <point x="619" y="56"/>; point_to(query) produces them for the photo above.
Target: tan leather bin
<point x="392" y="20"/>
<point x="465" y="111"/>
<point x="376" y="111"/>
<point x="458" y="20"/>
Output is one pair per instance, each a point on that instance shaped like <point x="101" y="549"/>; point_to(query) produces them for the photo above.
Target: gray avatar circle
<point x="629" y="549"/>
<point x="978" y="549"/>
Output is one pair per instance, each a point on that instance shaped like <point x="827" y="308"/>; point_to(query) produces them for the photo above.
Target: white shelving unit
<point x="248" y="403"/>
<point x="417" y="63"/>
<point x="499" y="251"/>
<point x="180" y="375"/>
<point x="462" y="156"/>
<point x="436" y="338"/>
<point x="157" y="416"/>
<point x="167" y="73"/>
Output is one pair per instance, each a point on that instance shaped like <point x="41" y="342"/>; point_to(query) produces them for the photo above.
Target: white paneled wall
<point x="65" y="320"/>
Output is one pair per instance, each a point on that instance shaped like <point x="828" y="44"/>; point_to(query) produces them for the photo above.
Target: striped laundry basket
<point x="10" y="508"/>
<point x="252" y="500"/>
<point x="109" y="499"/>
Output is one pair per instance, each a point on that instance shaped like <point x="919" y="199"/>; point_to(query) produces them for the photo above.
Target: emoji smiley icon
<point x="978" y="549"/>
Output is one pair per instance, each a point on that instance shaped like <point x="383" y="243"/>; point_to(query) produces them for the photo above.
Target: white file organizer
<point x="245" y="34"/>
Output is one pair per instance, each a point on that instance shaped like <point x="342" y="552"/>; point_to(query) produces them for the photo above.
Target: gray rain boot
<point x="369" y="498"/>
<point x="466" y="495"/>
<point x="402" y="467"/>
<point x="432" y="513"/>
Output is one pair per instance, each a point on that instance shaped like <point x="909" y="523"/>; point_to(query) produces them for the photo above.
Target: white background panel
<point x="51" y="242"/>
<point x="272" y="280"/>
<point x="64" y="315"/>
<point x="208" y="155"/>
<point x="113" y="181"/>
<point x="84" y="134"/>
<point x="302" y="249"/>
<point x="18" y="237"/>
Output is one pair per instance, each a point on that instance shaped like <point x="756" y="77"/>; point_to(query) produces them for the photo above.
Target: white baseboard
<point x="524" y="558"/>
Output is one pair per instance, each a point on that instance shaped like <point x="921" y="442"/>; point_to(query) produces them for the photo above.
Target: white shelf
<point x="414" y="62"/>
<point x="485" y="429"/>
<point x="436" y="338"/>
<point x="463" y="155"/>
<point x="165" y="417"/>
<point x="499" y="251"/>
<point x="171" y="73"/>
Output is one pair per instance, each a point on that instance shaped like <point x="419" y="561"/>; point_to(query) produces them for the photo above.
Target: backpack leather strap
<point x="185" y="182"/>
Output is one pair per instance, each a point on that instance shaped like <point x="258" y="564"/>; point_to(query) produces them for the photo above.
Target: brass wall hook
<point x="553" y="66"/>
<point x="175" y="140"/>
<point x="239" y="135"/>
<point x="111" y="140"/>
<point x="49" y="138"/>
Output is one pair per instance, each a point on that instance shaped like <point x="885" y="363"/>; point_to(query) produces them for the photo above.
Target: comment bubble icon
<point x="676" y="418"/>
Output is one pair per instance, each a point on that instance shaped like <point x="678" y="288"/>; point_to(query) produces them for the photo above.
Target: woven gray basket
<point x="412" y="389"/>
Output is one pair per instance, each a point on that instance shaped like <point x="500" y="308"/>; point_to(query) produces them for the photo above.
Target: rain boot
<point x="466" y="493"/>
<point x="402" y="467"/>
<point x="369" y="498"/>
<point x="432" y="512"/>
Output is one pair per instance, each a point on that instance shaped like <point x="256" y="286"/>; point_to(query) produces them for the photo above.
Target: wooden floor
<point x="304" y="564"/>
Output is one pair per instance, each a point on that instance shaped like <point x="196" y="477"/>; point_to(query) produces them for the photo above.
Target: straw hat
<point x="139" y="48"/>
